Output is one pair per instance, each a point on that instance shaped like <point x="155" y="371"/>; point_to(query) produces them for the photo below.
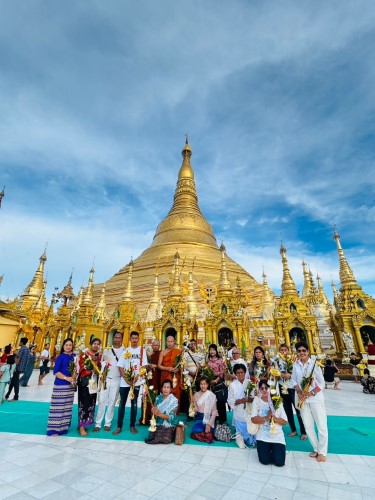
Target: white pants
<point x="107" y="399"/>
<point x="315" y="413"/>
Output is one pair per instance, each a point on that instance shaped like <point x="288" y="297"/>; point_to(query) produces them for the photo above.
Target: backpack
<point x="223" y="433"/>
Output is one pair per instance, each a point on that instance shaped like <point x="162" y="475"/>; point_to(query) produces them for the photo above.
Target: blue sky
<point x="95" y="98"/>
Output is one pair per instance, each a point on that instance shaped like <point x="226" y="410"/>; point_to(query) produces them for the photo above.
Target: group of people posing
<point x="262" y="395"/>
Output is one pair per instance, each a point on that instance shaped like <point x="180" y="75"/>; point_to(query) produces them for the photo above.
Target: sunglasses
<point x="301" y="350"/>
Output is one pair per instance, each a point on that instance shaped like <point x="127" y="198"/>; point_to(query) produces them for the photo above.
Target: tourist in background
<point x="330" y="375"/>
<point x="308" y="381"/>
<point x="60" y="413"/>
<point x="5" y="354"/>
<point x="21" y="359"/>
<point x="29" y="368"/>
<point x="354" y="361"/>
<point x="368" y="382"/>
<point x="270" y="436"/>
<point x="45" y="362"/>
<point x="6" y="374"/>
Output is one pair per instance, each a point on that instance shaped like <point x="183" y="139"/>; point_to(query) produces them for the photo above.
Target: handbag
<point x="162" y="435"/>
<point x="203" y="437"/>
<point x="251" y="427"/>
<point x="180" y="435"/>
<point x="223" y="433"/>
<point x="93" y="384"/>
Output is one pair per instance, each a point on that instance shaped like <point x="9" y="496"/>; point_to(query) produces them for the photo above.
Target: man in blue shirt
<point x="22" y="359"/>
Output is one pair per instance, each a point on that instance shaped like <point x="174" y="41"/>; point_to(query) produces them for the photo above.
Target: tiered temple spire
<point x="287" y="286"/>
<point x="346" y="274"/>
<point x="128" y="294"/>
<point x="225" y="286"/>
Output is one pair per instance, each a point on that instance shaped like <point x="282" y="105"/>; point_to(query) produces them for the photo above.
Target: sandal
<point x="321" y="458"/>
<point x="133" y="430"/>
<point x="314" y="454"/>
<point x="97" y="429"/>
<point x="117" y="431"/>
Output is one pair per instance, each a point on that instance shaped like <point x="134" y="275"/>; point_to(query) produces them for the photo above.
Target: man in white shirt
<point x="134" y="357"/>
<point x="193" y="360"/>
<point x="237" y="360"/>
<point x="313" y="411"/>
<point x="44" y="364"/>
<point x="107" y="397"/>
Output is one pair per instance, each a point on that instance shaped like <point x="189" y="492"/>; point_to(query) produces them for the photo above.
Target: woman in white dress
<point x="205" y="405"/>
<point x="240" y="399"/>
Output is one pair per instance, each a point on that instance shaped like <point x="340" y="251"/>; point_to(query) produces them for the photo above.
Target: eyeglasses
<point x="301" y="350"/>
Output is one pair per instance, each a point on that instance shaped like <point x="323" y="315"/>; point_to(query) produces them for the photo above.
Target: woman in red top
<point x="218" y="384"/>
<point x="88" y="368"/>
<point x="7" y="352"/>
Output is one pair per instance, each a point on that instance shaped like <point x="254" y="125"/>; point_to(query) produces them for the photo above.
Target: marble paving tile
<point x="317" y="488"/>
<point x="109" y="490"/>
<point x="247" y="484"/>
<point x="233" y="494"/>
<point x="340" y="477"/>
<point x="44" y="490"/>
<point x="285" y="482"/>
<point x="335" y="493"/>
<point x="187" y="482"/>
<point x="213" y="461"/>
<point x="171" y="493"/>
<point x="231" y="463"/>
<point x="165" y="475"/>
<point x="284" y="471"/>
<point x="19" y="496"/>
<point x="222" y="477"/>
<point x="7" y="490"/>
<point x="148" y="487"/>
<point x="274" y="492"/>
<point x="211" y="489"/>
<point x="27" y="481"/>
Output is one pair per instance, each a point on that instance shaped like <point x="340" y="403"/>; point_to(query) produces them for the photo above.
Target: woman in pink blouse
<point x="218" y="384"/>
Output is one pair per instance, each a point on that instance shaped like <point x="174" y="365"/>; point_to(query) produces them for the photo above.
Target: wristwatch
<point x="313" y="392"/>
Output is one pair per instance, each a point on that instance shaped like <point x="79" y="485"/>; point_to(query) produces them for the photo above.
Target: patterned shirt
<point x="23" y="355"/>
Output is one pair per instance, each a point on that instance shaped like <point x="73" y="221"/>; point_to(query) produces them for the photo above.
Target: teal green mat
<point x="349" y="435"/>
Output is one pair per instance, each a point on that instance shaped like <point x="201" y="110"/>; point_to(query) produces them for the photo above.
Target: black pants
<point x="271" y="453"/>
<point x="222" y="411"/>
<point x="14" y="384"/>
<point x="184" y="402"/>
<point x="124" y="392"/>
<point x="288" y="403"/>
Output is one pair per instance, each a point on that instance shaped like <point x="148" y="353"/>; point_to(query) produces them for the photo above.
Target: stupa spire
<point x="267" y="297"/>
<point x="185" y="221"/>
<point x="101" y="307"/>
<point x="306" y="280"/>
<point x="41" y="302"/>
<point x="322" y="297"/>
<point x="33" y="291"/>
<point x="176" y="288"/>
<point x="88" y="296"/>
<point x="128" y="294"/>
<point x="224" y="282"/>
<point x="190" y="299"/>
<point x="288" y="286"/>
<point x="346" y="274"/>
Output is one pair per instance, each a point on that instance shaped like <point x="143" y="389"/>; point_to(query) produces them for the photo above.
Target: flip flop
<point x="314" y="454"/>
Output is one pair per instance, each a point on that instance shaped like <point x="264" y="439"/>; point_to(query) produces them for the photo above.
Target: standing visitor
<point x="21" y="362"/>
<point x="29" y="368"/>
<point x="271" y="418"/>
<point x="60" y="413"/>
<point x="133" y="359"/>
<point x="259" y="366"/>
<point x="6" y="374"/>
<point x="154" y="381"/>
<point x="107" y="396"/>
<point x="193" y="360"/>
<point x="218" y="387"/>
<point x="45" y="362"/>
<point x="239" y="399"/>
<point x="309" y="383"/>
<point x="5" y="354"/>
<point x="88" y="368"/>
<point x="354" y="361"/>
<point x="287" y="391"/>
<point x="330" y="375"/>
<point x="167" y="365"/>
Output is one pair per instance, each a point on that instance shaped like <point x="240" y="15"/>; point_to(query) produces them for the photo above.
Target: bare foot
<point x="321" y="458"/>
<point x="82" y="432"/>
<point x="303" y="437"/>
<point x="97" y="429"/>
<point x="117" y="431"/>
<point x="107" y="428"/>
<point x="292" y="434"/>
<point x="133" y="430"/>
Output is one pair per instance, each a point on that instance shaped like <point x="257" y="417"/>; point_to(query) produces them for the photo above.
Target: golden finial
<point x="288" y="285"/>
<point x="346" y="274"/>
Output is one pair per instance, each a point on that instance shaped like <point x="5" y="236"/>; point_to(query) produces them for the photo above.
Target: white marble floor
<point x="34" y="466"/>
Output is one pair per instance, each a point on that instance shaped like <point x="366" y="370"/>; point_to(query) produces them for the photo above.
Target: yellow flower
<point x="142" y="372"/>
<point x="275" y="373"/>
<point x="127" y="354"/>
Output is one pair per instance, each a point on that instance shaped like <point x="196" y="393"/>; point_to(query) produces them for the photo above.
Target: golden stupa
<point x="186" y="231"/>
